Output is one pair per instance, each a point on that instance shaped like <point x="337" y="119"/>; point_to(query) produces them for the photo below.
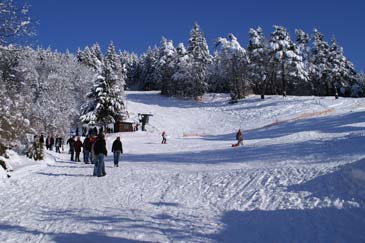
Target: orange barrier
<point x="302" y="116"/>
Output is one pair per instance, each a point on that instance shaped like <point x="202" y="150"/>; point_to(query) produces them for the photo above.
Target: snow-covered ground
<point x="299" y="177"/>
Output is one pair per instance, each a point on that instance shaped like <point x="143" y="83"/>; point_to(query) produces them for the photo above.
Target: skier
<point x="164" y="137"/>
<point x="117" y="149"/>
<point x="71" y="143"/>
<point x="78" y="146"/>
<point x="239" y="138"/>
<point x="100" y="152"/>
<point x="87" y="149"/>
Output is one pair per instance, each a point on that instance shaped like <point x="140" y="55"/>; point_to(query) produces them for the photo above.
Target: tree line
<point x="277" y="64"/>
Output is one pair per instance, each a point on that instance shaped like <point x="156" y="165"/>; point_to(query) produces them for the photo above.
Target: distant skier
<point x="164" y="135"/>
<point x="78" y="146"/>
<point x="117" y="149"/>
<point x="239" y="138"/>
<point x="71" y="144"/>
<point x="100" y="152"/>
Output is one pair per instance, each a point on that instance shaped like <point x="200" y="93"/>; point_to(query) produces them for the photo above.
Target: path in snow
<point x="299" y="181"/>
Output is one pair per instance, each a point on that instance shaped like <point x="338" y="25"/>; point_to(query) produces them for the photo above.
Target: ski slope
<point x="299" y="177"/>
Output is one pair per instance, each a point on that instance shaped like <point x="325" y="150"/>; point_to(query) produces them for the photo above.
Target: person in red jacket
<point x="78" y="145"/>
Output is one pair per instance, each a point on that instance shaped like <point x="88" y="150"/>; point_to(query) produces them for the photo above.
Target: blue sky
<point x="135" y="25"/>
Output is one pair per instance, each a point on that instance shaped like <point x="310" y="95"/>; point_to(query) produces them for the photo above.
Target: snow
<point x="299" y="177"/>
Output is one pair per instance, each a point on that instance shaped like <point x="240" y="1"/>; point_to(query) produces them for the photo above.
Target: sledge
<point x="235" y="145"/>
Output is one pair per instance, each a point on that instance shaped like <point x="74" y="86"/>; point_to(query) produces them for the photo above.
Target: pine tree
<point x="259" y="62"/>
<point x="167" y="54"/>
<point x="198" y="49"/>
<point x="320" y="62"/>
<point x="234" y="65"/>
<point x="286" y="59"/>
<point x="342" y="73"/>
<point x="149" y="69"/>
<point x="182" y="75"/>
<point x="217" y="81"/>
<point x="106" y="103"/>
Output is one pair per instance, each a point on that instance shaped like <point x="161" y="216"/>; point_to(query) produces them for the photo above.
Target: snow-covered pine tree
<point x="119" y="69"/>
<point x="167" y="54"/>
<point x="259" y="63"/>
<point x="132" y="66"/>
<point x="182" y="75"/>
<point x="234" y="66"/>
<point x="106" y="101"/>
<point x="342" y="74"/>
<point x="149" y="69"/>
<point x="319" y="59"/>
<point x="198" y="49"/>
<point x="217" y="82"/>
<point x="286" y="59"/>
<point x="302" y="43"/>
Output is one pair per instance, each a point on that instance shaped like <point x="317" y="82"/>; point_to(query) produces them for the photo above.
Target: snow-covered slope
<point x="299" y="177"/>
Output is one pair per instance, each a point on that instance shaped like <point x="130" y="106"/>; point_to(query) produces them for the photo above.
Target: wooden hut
<point x="124" y="126"/>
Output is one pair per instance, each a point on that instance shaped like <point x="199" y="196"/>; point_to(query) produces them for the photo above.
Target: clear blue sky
<point x="133" y="25"/>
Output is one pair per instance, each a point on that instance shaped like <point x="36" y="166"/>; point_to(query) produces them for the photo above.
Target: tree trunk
<point x="283" y="81"/>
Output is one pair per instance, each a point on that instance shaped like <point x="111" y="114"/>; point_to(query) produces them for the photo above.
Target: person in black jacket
<point x="41" y="139"/>
<point x="71" y="143"/>
<point x="100" y="152"/>
<point x="117" y="149"/>
<point x="58" y="144"/>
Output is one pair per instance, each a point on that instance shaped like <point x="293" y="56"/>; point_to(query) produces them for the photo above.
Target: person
<point x="117" y="149"/>
<point x="92" y="140"/>
<point x="78" y="146"/>
<point x="49" y="142"/>
<point x="58" y="144"/>
<point x="164" y="137"/>
<point x="71" y="143"/>
<point x="239" y="137"/>
<point x="87" y="149"/>
<point x="100" y="152"/>
<point x="41" y="139"/>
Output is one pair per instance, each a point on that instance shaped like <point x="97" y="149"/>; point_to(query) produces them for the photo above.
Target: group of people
<point x="94" y="150"/>
<point x="51" y="141"/>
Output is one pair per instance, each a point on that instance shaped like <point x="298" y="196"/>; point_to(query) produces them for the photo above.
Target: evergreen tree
<point x="217" y="81"/>
<point x="234" y="65"/>
<point x="198" y="49"/>
<point x="149" y="69"/>
<point x="167" y="54"/>
<point x="286" y="59"/>
<point x="106" y="101"/>
<point x="320" y="62"/>
<point x="182" y="75"/>
<point x="259" y="62"/>
<point x="342" y="72"/>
